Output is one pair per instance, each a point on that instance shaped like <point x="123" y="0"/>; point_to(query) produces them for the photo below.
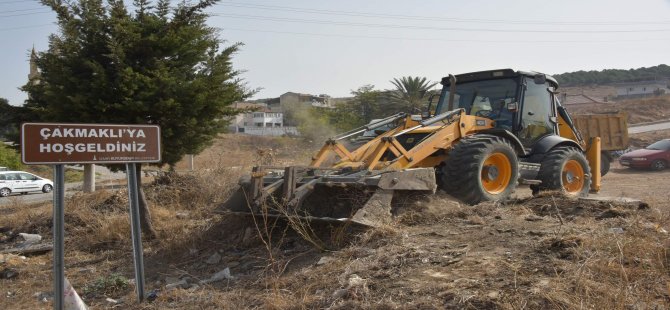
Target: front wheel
<point x="658" y="165"/>
<point x="565" y="169"/>
<point x="481" y="168"/>
<point x="47" y="188"/>
<point x="4" y="192"/>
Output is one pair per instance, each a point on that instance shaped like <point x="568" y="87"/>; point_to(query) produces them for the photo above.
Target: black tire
<point x="659" y="165"/>
<point x="554" y="173"/>
<point x="4" y="192"/>
<point x="465" y="176"/>
<point x="47" y="188"/>
<point x="604" y="164"/>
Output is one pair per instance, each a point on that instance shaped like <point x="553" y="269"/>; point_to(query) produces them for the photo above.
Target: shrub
<point x="9" y="158"/>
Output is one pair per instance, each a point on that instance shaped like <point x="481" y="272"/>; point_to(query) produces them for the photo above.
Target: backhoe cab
<point x="490" y="132"/>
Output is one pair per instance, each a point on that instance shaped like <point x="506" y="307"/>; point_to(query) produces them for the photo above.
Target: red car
<point x="655" y="156"/>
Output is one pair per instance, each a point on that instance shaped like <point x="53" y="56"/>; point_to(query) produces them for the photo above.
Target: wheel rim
<point x="573" y="177"/>
<point x="496" y="173"/>
<point x="659" y="165"/>
<point x="4" y="192"/>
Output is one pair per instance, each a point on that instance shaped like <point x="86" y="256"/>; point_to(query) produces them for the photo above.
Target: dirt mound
<point x="639" y="110"/>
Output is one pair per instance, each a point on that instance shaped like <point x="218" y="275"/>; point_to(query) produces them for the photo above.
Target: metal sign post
<point x="135" y="229"/>
<point x="65" y="143"/>
<point x="59" y="235"/>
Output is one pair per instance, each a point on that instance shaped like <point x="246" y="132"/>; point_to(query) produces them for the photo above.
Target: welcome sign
<point x="62" y="143"/>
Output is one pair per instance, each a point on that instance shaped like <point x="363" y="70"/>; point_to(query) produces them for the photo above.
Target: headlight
<point x="638" y="158"/>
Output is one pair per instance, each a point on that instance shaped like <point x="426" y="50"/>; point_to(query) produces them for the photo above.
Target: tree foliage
<point x="660" y="72"/>
<point x="156" y="64"/>
<point x="411" y="93"/>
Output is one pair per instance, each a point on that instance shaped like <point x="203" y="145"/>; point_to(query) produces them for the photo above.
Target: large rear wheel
<point x="481" y="168"/>
<point x="565" y="169"/>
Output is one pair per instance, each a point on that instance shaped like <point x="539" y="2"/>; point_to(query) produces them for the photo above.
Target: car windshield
<point x="479" y="95"/>
<point x="663" y="145"/>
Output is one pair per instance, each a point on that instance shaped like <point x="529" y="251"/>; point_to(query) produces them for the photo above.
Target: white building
<point x="642" y="89"/>
<point x="263" y="121"/>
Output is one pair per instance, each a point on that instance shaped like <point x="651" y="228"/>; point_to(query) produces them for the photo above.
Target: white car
<point x="22" y="182"/>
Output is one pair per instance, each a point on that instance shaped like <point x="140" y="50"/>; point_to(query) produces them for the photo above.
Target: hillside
<point x="608" y="76"/>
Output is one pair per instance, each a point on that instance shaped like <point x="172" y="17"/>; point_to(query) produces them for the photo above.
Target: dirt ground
<point x="531" y="253"/>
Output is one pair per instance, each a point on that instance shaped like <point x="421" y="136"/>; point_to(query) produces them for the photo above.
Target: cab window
<point x="536" y="113"/>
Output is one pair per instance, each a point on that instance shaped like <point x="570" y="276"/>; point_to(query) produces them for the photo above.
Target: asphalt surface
<point x="34" y="197"/>
<point x="103" y="175"/>
<point x="648" y="128"/>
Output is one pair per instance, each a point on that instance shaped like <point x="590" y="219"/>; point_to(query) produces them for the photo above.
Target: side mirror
<point x="540" y="79"/>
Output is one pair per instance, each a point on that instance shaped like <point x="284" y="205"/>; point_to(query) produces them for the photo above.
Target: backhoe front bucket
<point x="331" y="195"/>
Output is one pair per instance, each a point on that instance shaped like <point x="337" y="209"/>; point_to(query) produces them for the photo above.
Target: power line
<point x="435" y="18"/>
<point x="441" y="40"/>
<point x="19" y="1"/>
<point x="33" y="9"/>
<point x="24" y="27"/>
<point x="394" y="26"/>
<point x="25" y="14"/>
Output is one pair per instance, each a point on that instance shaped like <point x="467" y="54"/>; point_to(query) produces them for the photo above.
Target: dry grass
<point x="547" y="252"/>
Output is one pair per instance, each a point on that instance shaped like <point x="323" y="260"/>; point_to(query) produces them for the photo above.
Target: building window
<point x="246" y="123"/>
<point x="258" y="124"/>
<point x="258" y="114"/>
<point x="277" y="124"/>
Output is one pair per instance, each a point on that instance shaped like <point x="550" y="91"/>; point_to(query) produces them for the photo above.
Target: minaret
<point x="34" y="74"/>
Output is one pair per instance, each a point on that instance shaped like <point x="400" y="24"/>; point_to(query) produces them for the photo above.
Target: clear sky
<point x="333" y="47"/>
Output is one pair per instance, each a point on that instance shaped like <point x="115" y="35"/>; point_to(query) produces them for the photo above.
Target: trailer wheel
<point x="481" y="168"/>
<point x="566" y="170"/>
<point x="605" y="161"/>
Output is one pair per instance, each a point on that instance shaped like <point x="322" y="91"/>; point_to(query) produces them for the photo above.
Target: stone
<point x="30" y="238"/>
<point x="493" y="295"/>
<point x="214" y="259"/>
<point x="233" y="264"/>
<point x="616" y="230"/>
<point x="341" y="293"/>
<point x="248" y="237"/>
<point x="178" y="284"/>
<point x="181" y="215"/>
<point x="223" y="274"/>
<point x="534" y="218"/>
<point x="9" y="273"/>
<point x="112" y="301"/>
<point x="324" y="260"/>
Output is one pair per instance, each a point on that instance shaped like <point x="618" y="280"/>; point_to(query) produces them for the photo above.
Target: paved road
<point x="34" y="197"/>
<point x="647" y="128"/>
<point x="103" y="175"/>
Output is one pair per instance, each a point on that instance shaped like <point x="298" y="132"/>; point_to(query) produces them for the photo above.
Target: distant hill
<point x="607" y="76"/>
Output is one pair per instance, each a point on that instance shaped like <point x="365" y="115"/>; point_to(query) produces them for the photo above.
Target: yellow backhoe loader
<point x="489" y="132"/>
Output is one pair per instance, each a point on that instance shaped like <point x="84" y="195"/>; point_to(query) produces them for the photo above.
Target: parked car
<point x="22" y="182"/>
<point x="655" y="156"/>
<point x="4" y="169"/>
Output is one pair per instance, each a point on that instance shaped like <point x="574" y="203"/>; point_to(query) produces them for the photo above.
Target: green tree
<point x="6" y="117"/>
<point x="411" y="93"/>
<point x="157" y="64"/>
<point x="369" y="102"/>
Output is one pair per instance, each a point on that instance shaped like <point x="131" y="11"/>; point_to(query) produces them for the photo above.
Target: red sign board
<point x="62" y="143"/>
